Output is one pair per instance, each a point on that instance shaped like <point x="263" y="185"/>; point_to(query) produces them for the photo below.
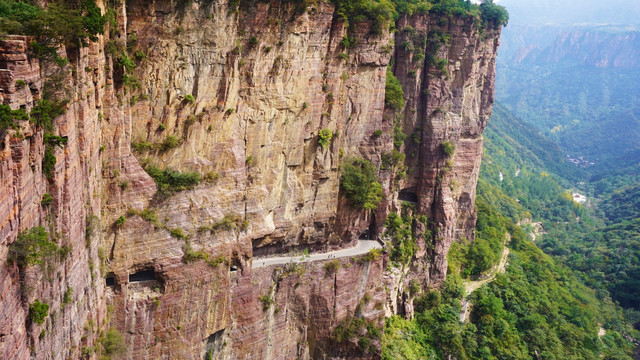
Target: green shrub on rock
<point x="394" y="95"/>
<point x="112" y="343"/>
<point x="32" y="247"/>
<point x="46" y="200"/>
<point x="360" y="183"/>
<point x="7" y="117"/>
<point x="493" y="15"/>
<point x="448" y="148"/>
<point x="38" y="312"/>
<point x="324" y="138"/>
<point x="170" y="181"/>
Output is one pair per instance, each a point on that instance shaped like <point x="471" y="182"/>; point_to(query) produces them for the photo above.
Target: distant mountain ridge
<point x="573" y="12"/>
<point x="595" y="48"/>
<point x="578" y="85"/>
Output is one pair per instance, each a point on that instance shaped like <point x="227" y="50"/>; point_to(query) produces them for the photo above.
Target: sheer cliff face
<point x="449" y="99"/>
<point x="242" y="95"/>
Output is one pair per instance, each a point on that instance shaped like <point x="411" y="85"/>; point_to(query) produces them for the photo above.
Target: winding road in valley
<point x="471" y="286"/>
<point x="363" y="247"/>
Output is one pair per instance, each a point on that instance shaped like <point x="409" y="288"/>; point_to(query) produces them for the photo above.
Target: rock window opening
<point x="145" y="275"/>
<point x="408" y="195"/>
<point x="110" y="280"/>
<point x="146" y="280"/>
<point x="235" y="264"/>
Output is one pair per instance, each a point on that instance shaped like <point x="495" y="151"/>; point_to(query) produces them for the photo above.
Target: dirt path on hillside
<point x="471" y="286"/>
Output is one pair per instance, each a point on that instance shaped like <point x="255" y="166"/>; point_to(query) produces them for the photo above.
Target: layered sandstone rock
<point x="75" y="187"/>
<point x="446" y="105"/>
<point x="245" y="92"/>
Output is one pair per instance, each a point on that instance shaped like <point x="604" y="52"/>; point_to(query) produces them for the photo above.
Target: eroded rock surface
<point x="242" y="95"/>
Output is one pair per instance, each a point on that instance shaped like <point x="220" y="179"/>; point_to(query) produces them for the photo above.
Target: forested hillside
<point x="569" y="123"/>
<point x="593" y="113"/>
<point x="536" y="309"/>
<point x="519" y="172"/>
<point x="622" y="205"/>
<point x="601" y="241"/>
<point x="539" y="308"/>
<point x="578" y="86"/>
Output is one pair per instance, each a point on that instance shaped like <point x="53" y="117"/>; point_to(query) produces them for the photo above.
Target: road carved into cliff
<point x="363" y="247"/>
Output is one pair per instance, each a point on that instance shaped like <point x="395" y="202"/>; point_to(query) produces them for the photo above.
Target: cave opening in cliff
<point x="235" y="264"/>
<point x="145" y="279"/>
<point x="144" y="275"/>
<point x="110" y="280"/>
<point x="408" y="195"/>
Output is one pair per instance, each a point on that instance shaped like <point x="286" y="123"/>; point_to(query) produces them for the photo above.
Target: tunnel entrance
<point x="408" y="195"/>
<point x="145" y="280"/>
<point x="145" y="275"/>
<point x="110" y="280"/>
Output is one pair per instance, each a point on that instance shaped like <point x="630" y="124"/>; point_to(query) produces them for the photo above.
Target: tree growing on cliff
<point x="492" y="15"/>
<point x="377" y="12"/>
<point x="46" y="111"/>
<point x="7" y="117"/>
<point x="360" y="183"/>
<point x="58" y="24"/>
<point x="393" y="95"/>
<point x="32" y="247"/>
<point x="38" y="312"/>
<point x="112" y="344"/>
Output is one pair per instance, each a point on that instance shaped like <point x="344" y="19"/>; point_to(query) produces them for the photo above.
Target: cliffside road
<point x="362" y="247"/>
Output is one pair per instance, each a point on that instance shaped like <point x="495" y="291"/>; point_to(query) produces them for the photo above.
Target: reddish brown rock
<point x="451" y="104"/>
<point x="268" y="187"/>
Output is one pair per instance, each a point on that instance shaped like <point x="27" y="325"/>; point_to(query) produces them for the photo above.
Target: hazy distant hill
<point x="571" y="12"/>
<point x="578" y="85"/>
<point x="593" y="46"/>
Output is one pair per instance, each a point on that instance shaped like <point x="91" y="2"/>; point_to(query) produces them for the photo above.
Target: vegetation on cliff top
<point x="492" y="15"/>
<point x="381" y="12"/>
<point x="69" y="23"/>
